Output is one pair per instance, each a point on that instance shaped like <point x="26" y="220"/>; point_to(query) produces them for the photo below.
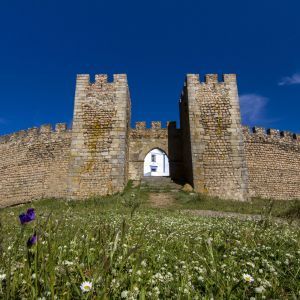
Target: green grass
<point x="127" y="249"/>
<point x="258" y="206"/>
<point x="292" y="211"/>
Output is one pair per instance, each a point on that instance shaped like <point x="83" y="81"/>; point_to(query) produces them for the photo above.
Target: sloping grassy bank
<point x="125" y="250"/>
<point x="277" y="208"/>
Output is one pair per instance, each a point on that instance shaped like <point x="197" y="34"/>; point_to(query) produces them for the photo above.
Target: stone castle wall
<point x="211" y="150"/>
<point x="34" y="164"/>
<point x="273" y="161"/>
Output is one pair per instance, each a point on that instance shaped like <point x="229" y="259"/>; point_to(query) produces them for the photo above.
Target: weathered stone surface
<point x="34" y="164"/>
<point x="99" y="149"/>
<point x="273" y="162"/>
<point x="187" y="188"/>
<point x="213" y="150"/>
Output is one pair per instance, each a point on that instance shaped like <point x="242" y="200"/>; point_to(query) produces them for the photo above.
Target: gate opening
<point x="156" y="163"/>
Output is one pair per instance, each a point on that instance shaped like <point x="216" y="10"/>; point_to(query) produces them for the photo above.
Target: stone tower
<point x="100" y="131"/>
<point x="213" y="150"/>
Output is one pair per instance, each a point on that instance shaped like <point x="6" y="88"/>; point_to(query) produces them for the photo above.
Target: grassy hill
<point x="126" y="249"/>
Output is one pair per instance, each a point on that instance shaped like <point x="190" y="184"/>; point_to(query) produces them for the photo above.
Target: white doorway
<point x="156" y="163"/>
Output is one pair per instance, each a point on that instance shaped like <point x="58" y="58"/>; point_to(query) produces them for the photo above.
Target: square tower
<point x="214" y="156"/>
<point x="99" y="147"/>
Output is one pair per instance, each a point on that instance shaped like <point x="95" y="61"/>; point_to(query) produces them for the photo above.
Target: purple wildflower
<point x="32" y="240"/>
<point x="31" y="214"/>
<point x="23" y="218"/>
<point x="28" y="217"/>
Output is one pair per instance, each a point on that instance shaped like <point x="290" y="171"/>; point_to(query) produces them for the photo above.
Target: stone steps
<point x="159" y="184"/>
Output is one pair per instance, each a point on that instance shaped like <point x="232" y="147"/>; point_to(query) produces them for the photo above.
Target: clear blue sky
<point x="44" y="44"/>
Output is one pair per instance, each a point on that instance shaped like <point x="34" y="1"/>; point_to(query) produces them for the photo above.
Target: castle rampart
<point x="210" y="150"/>
<point x="273" y="163"/>
<point x="34" y="164"/>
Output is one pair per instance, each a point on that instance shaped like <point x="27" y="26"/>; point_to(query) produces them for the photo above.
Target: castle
<point x="211" y="150"/>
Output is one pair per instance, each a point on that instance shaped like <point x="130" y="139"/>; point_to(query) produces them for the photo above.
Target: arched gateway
<point x="156" y="163"/>
<point x="155" y="143"/>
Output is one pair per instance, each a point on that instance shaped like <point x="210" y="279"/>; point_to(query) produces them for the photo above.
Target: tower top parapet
<point x="210" y="79"/>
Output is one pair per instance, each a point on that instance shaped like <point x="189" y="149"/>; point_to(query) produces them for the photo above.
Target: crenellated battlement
<point x="44" y="129"/>
<point x="271" y="134"/>
<point x="155" y="125"/>
<point x="100" y="79"/>
<point x="210" y="79"/>
<point x="140" y="125"/>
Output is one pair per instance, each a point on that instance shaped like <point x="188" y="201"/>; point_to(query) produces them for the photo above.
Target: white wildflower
<point x="248" y="278"/>
<point x="2" y="277"/>
<point x="124" y="294"/>
<point x="259" y="290"/>
<point x="68" y="263"/>
<point x="144" y="263"/>
<point x="86" y="286"/>
<point x="156" y="290"/>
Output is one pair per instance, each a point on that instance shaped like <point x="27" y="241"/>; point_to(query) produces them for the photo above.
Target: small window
<point x="153" y="169"/>
<point x="153" y="157"/>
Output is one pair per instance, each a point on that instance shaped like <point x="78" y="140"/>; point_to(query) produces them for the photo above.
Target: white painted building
<point x="156" y="163"/>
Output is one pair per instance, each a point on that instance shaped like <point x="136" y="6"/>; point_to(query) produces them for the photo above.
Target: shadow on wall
<point x="175" y="146"/>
